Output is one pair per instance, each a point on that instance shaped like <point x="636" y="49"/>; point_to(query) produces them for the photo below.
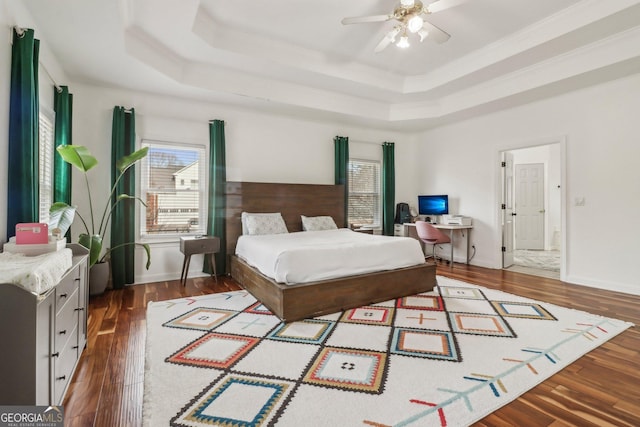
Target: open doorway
<point x="532" y="210"/>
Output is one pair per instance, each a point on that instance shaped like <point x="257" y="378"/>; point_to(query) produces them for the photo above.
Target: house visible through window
<point x="45" y="160"/>
<point x="175" y="202"/>
<point x="364" y="192"/>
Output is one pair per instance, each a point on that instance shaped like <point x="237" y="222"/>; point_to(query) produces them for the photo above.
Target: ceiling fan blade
<point x="435" y="33"/>
<point x="439" y="5"/>
<point x="387" y="40"/>
<point x="365" y="19"/>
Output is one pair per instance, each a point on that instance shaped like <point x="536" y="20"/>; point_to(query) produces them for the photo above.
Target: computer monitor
<point x="433" y="205"/>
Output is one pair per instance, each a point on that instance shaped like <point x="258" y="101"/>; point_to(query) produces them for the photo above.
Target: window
<point x="364" y="192"/>
<point x="45" y="160"/>
<point x="174" y="206"/>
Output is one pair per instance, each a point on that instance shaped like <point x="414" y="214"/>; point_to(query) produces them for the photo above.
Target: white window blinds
<point x="45" y="167"/>
<point x="364" y="192"/>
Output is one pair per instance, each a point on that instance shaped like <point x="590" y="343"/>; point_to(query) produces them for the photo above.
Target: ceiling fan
<point x="409" y="15"/>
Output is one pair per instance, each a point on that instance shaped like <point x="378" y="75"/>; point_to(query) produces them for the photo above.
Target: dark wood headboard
<point x="292" y="200"/>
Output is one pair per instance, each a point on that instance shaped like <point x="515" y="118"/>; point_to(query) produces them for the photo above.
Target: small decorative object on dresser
<point x="43" y="335"/>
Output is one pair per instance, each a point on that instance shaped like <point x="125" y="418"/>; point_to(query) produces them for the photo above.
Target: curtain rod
<point x="20" y="32"/>
<point x="365" y="142"/>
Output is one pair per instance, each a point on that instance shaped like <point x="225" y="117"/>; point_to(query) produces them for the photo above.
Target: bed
<point x="297" y="301"/>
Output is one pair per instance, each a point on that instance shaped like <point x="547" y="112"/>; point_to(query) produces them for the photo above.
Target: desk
<point x="409" y="230"/>
<point x="207" y="245"/>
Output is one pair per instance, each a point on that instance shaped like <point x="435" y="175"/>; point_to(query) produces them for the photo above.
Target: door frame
<point x="562" y="141"/>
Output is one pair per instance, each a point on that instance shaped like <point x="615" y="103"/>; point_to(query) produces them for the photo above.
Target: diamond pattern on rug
<point x="356" y="370"/>
<point x="200" y="319"/>
<point x="459" y="292"/>
<point x="213" y="351"/>
<point x="370" y="315"/>
<point x="255" y="325"/>
<point x="363" y="337"/>
<point x="522" y="310"/>
<point x="425" y="343"/>
<point x="240" y="401"/>
<point x="264" y="372"/>
<point x="421" y="302"/>
<point x="480" y="324"/>
<point x="258" y="308"/>
<point x="422" y="319"/>
<point x="313" y="331"/>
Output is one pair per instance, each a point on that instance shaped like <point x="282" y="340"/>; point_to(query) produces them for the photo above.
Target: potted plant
<point x="63" y="215"/>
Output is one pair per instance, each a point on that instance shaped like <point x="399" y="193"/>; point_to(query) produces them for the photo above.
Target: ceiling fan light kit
<point x="410" y="16"/>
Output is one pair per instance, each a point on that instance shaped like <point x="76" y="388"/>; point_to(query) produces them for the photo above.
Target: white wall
<point x="601" y="128"/>
<point x="259" y="147"/>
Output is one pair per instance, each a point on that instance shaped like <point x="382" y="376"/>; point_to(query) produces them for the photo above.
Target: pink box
<point x="32" y="233"/>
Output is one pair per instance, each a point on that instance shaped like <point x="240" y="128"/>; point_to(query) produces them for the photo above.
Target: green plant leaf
<point x="61" y="216"/>
<point x="94" y="244"/>
<point x="148" y="250"/>
<point x="78" y="155"/>
<point x="126" y="196"/>
<point x="126" y="161"/>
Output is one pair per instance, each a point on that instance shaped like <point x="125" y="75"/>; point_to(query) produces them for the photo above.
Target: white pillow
<point x="262" y="223"/>
<point x="318" y="223"/>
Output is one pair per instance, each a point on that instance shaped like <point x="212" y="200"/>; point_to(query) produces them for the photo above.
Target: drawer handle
<point x="79" y="309"/>
<point x="61" y="378"/>
<point x="62" y="332"/>
<point x="63" y="295"/>
<point x="75" y="347"/>
<point x="77" y="279"/>
<point x="56" y="354"/>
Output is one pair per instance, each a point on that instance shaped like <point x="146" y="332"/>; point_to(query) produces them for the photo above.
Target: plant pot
<point x="98" y="278"/>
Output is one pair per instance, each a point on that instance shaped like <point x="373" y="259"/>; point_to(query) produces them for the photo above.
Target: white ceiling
<point x="295" y="56"/>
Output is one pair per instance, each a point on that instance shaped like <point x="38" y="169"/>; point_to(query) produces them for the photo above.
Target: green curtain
<point x="123" y="141"/>
<point x="216" y="222"/>
<point x="23" y="179"/>
<point x="62" y="105"/>
<point x="388" y="187"/>
<point x="341" y="145"/>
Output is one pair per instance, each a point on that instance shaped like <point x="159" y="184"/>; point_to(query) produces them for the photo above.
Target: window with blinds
<point x="364" y="192"/>
<point x="45" y="159"/>
<point x="173" y="187"/>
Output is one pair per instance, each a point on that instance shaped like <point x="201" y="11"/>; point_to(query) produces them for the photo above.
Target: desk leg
<point x="182" y="273"/>
<point x="468" y="232"/>
<point x="452" y="244"/>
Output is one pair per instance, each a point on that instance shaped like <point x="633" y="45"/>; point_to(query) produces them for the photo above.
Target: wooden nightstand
<point x="207" y="245"/>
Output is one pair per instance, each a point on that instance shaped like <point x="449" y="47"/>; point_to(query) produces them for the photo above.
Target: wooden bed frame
<point x="295" y="302"/>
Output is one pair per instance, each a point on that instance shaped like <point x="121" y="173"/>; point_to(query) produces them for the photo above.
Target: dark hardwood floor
<point x="600" y="389"/>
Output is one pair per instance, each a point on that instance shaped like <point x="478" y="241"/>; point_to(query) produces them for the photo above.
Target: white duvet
<point x="36" y="274"/>
<point x="309" y="256"/>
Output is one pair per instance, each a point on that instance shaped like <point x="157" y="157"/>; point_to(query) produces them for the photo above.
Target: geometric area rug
<point x="448" y="357"/>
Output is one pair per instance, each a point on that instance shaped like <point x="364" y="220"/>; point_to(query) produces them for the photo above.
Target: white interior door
<point x="507" y="209"/>
<point x="529" y="207"/>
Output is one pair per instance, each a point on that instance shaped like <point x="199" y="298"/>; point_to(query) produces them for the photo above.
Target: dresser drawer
<point x="199" y="245"/>
<point x="68" y="284"/>
<point x="63" y="366"/>
<point x="66" y="321"/>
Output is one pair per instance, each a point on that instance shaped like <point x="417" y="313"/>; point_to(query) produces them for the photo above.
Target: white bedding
<point x="36" y="274"/>
<point x="309" y="256"/>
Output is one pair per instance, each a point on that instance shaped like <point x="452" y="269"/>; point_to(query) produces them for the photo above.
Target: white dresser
<point x="43" y="336"/>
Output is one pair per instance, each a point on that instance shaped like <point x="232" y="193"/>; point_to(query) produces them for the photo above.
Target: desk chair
<point x="431" y="236"/>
